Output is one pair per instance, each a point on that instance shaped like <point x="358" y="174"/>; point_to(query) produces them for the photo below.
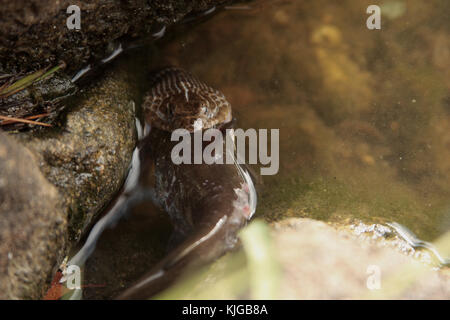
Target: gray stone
<point x="88" y="158"/>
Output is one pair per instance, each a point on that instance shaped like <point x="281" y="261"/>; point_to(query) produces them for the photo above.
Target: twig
<point x="3" y="86"/>
<point x="24" y="121"/>
<point x="5" y="122"/>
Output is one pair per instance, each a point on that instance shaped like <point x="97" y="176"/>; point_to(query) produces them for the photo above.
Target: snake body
<point x="207" y="203"/>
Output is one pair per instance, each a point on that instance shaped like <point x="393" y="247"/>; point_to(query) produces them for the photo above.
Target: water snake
<point x="207" y="203"/>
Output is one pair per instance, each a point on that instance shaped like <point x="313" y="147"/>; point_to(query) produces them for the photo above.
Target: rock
<point x="88" y="158"/>
<point x="32" y="224"/>
<point x="310" y="259"/>
<point x="49" y="196"/>
<point x="34" y="34"/>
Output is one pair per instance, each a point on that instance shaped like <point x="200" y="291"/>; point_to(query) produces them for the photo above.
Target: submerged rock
<point x="320" y="262"/>
<point x="310" y="259"/>
<point x="32" y="224"/>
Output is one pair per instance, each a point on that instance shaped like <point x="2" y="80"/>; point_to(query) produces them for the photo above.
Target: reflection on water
<point x="364" y="115"/>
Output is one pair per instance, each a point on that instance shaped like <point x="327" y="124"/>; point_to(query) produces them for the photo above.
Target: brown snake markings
<point x="177" y="99"/>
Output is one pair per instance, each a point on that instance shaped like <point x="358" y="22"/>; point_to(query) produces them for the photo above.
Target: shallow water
<point x="364" y="115"/>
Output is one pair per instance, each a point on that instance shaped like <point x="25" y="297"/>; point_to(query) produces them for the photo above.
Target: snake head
<point x="178" y="100"/>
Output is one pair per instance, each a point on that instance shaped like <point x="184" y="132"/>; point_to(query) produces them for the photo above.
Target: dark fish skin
<point x="207" y="204"/>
